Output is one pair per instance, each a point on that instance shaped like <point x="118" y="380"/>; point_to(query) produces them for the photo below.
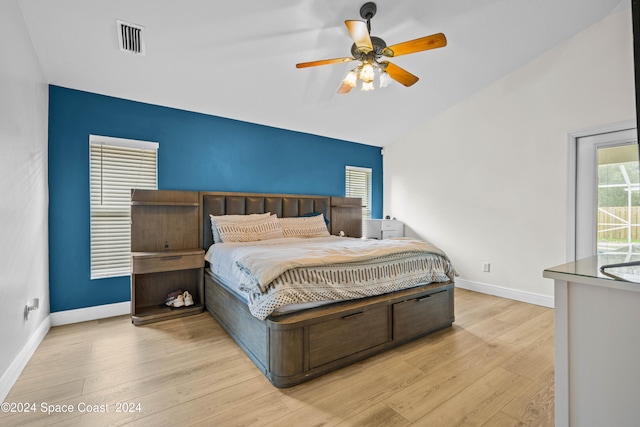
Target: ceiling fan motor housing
<point x="378" y="47"/>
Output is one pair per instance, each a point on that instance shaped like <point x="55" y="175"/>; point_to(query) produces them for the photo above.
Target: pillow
<point x="326" y="221"/>
<point x="248" y="230"/>
<point x="239" y="218"/>
<point x="311" y="226"/>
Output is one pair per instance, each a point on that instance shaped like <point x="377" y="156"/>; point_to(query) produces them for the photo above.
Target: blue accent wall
<point x="197" y="152"/>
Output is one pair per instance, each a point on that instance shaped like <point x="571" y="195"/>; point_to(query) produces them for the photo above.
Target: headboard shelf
<point x="346" y="213"/>
<point x="164" y="220"/>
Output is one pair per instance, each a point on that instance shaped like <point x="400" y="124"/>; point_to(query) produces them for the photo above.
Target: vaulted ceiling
<point x="236" y="59"/>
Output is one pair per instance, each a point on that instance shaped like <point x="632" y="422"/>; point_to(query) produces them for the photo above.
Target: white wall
<point x="487" y="179"/>
<point x="23" y="186"/>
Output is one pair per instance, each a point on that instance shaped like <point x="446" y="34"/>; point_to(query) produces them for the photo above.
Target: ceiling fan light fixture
<point x="385" y="79"/>
<point x="366" y="74"/>
<point x="351" y="78"/>
<point x="366" y="86"/>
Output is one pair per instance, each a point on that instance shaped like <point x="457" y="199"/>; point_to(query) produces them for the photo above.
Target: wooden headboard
<point x="344" y="214"/>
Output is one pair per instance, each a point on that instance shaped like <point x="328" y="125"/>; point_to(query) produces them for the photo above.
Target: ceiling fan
<point x="371" y="51"/>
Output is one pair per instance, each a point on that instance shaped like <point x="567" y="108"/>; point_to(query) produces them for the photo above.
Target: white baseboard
<point x="528" y="297"/>
<point x="11" y="375"/>
<point x="90" y="313"/>
<point x="59" y="318"/>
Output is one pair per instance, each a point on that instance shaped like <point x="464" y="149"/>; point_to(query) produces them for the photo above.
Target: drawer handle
<point x="424" y="298"/>
<point x="352" y="316"/>
<point x="170" y="258"/>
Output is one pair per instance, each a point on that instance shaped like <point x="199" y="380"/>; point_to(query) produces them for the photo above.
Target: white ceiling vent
<point x="130" y="37"/>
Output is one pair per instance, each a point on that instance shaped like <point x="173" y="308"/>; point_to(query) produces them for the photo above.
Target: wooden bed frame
<point x="295" y="347"/>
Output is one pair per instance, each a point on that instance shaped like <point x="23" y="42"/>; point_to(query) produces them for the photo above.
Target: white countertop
<point x="587" y="271"/>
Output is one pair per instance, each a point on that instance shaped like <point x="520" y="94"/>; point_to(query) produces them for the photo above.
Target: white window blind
<point x="116" y="166"/>
<point x="358" y="184"/>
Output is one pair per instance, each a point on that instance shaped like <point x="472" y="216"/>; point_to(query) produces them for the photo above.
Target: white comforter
<point x="274" y="273"/>
<point x="253" y="266"/>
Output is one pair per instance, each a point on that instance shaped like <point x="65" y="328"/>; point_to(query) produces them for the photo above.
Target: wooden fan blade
<point x="345" y="88"/>
<point x="418" y="45"/>
<point x="400" y="74"/>
<point x="324" y="62"/>
<point x="360" y="35"/>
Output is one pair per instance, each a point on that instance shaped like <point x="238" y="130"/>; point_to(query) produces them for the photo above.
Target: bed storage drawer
<point x="349" y="334"/>
<point x="418" y="316"/>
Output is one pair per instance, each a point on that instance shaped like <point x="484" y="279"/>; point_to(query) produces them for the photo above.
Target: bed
<point x="291" y="341"/>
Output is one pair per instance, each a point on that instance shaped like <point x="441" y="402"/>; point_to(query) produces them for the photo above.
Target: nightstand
<point x="383" y="228"/>
<point x="165" y="253"/>
<point x="156" y="274"/>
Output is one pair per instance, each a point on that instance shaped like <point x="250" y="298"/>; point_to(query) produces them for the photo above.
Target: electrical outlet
<point x="486" y="267"/>
<point x="30" y="307"/>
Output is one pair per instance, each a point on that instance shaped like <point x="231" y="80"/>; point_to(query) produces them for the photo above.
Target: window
<point x="358" y="184"/>
<point x="116" y="166"/>
<point x="618" y="200"/>
<point x="601" y="178"/>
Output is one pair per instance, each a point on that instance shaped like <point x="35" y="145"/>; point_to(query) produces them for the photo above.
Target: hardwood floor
<point x="493" y="367"/>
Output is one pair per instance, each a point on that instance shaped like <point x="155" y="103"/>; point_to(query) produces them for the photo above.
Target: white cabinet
<point x="597" y="343"/>
<point x="383" y="228"/>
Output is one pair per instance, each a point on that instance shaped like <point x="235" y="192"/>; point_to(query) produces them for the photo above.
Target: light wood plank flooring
<point x="494" y="367"/>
